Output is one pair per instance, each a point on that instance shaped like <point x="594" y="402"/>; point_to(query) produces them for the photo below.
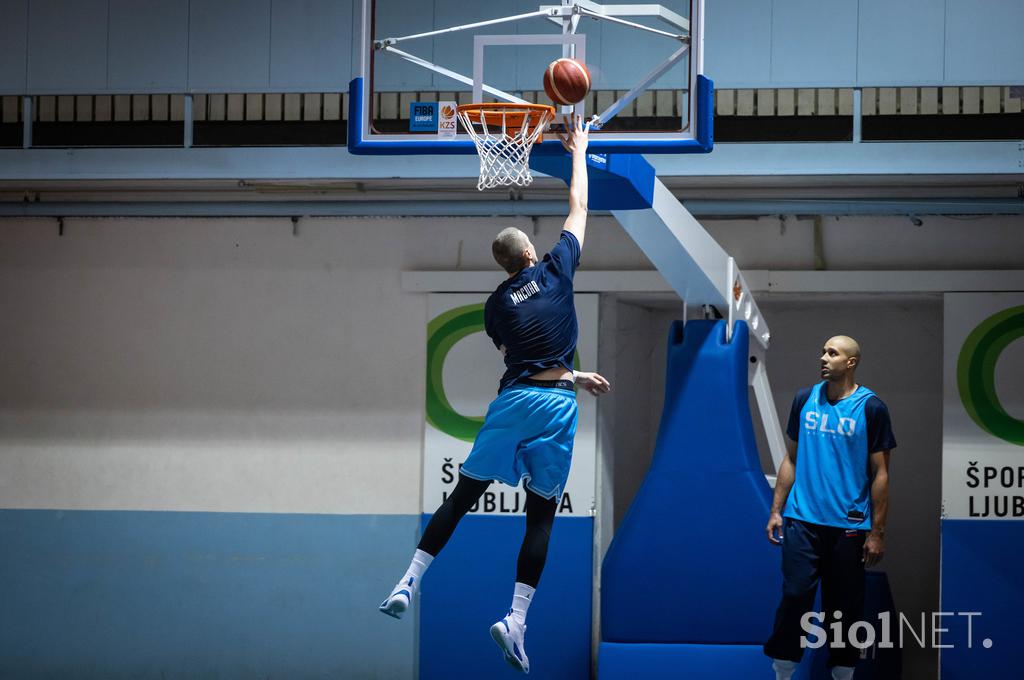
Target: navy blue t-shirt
<point x="532" y="314"/>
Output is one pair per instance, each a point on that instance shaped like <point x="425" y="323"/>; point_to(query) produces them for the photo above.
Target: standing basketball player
<point x="834" y="521"/>
<point x="529" y="428"/>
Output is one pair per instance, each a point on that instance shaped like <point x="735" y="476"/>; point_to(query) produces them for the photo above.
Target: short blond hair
<point x="508" y="249"/>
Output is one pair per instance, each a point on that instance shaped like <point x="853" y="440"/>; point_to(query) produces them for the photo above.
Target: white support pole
<point x="758" y="376"/>
<point x="691" y="262"/>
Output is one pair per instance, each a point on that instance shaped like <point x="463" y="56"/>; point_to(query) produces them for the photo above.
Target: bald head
<point x="512" y="250"/>
<point x="839" y="357"/>
<point x="846" y="344"/>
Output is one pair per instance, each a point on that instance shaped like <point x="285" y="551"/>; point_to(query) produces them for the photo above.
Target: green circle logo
<point x="443" y="332"/>
<point x="976" y="374"/>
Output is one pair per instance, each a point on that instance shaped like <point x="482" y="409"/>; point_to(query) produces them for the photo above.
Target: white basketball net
<point x="504" y="149"/>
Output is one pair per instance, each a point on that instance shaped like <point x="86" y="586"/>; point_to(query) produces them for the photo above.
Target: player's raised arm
<point x="575" y="142"/>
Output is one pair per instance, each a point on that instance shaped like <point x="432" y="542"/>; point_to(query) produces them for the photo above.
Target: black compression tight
<point x="540" y="516"/>
<point x="446" y="518"/>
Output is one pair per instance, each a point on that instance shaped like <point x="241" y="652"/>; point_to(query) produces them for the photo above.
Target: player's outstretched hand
<point x="594" y="383"/>
<point x="578" y="134"/>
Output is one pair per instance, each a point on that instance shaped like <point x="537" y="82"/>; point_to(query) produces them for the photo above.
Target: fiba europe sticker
<point x="443" y="332"/>
<point x="976" y="374"/>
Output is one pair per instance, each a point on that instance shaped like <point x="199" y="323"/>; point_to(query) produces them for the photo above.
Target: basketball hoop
<point x="504" y="134"/>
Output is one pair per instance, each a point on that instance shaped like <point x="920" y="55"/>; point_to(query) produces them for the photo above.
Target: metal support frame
<point x="26" y="121"/>
<point x="743" y="306"/>
<point x="757" y="378"/>
<point x="633" y="24"/>
<point x="448" y="73"/>
<point x="386" y="42"/>
<point x="659" y="71"/>
<point x="188" y="120"/>
<point x="604" y="11"/>
<point x="858" y="110"/>
<point x="577" y="45"/>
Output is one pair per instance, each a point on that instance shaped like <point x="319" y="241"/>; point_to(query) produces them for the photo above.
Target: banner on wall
<point x="983" y="415"/>
<point x="463" y="370"/>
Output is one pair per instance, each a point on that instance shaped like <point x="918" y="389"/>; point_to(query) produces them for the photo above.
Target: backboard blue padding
<point x="690" y="561"/>
<point x="617" y="181"/>
<point x="631" y="661"/>
<point x="469" y="587"/>
<point x="361" y="143"/>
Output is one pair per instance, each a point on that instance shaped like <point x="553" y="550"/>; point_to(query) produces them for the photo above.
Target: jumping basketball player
<point x="529" y="428"/>
<point x="834" y="521"/>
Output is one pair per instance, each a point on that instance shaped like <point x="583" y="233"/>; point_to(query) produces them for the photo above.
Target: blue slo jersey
<point x="833" y="471"/>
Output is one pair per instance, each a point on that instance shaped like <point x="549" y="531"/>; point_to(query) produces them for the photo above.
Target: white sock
<point x="842" y="672"/>
<point x="420" y="561"/>
<point x="783" y="669"/>
<point x="521" y="599"/>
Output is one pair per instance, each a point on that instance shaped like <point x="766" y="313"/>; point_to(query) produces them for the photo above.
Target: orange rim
<point x="513" y="116"/>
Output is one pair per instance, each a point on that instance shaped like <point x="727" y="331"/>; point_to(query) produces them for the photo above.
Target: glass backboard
<point x="648" y="88"/>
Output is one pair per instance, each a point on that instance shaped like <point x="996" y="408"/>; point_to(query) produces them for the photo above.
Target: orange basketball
<point x="566" y="81"/>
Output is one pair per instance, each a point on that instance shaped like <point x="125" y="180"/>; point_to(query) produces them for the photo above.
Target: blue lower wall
<point x="469" y="587"/>
<point x="97" y="594"/>
<point x="981" y="572"/>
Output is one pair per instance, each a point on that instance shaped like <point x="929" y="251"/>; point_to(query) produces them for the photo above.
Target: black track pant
<point x="811" y="552"/>
<point x="540" y="516"/>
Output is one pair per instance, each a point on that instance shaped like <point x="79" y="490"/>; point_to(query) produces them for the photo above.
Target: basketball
<point x="566" y="81"/>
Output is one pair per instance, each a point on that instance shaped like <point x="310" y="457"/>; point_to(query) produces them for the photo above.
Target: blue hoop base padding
<point x="694" y="662"/>
<point x="981" y="572"/>
<point x="617" y="182"/>
<point x="690" y="562"/>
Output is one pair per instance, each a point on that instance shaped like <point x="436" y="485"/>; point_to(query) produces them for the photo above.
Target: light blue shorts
<point x="527" y="434"/>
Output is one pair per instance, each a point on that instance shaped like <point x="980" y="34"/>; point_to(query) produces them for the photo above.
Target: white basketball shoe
<point x="510" y="636"/>
<point x="398" y="601"/>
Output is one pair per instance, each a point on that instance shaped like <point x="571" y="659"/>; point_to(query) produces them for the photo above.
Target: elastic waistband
<point x="550" y="384"/>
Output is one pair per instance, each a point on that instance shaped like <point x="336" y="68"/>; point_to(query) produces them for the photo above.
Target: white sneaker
<point x="843" y="672"/>
<point x="510" y="636"/>
<point x="783" y="669"/>
<point x="398" y="601"/>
